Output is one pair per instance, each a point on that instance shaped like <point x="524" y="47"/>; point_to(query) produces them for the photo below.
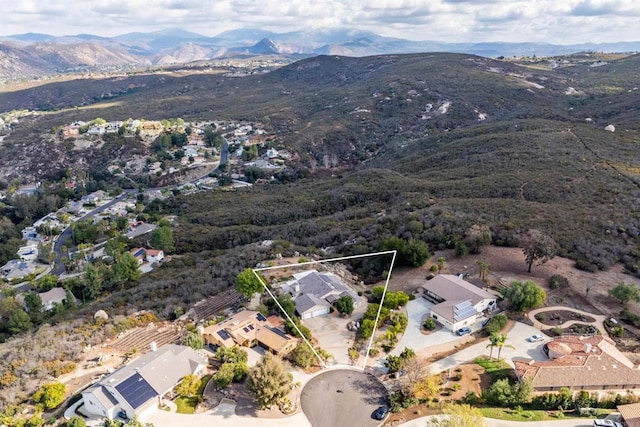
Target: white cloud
<point x="554" y="21"/>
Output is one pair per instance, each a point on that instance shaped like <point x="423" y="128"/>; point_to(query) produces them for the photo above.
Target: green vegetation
<point x="50" y="395"/>
<point x="524" y="296"/>
<point x="537" y="246"/>
<point x="496" y="323"/>
<point x="625" y="292"/>
<point x="497" y="369"/>
<point x="268" y="381"/>
<point x="248" y="283"/>
<point x="344" y="305"/>
<point x="186" y="404"/>
<point x="233" y="366"/>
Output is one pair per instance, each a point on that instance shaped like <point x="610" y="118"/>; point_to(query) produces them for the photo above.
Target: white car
<point x="535" y="338"/>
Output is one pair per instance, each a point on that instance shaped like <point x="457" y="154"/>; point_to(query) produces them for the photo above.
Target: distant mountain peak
<point x="264" y="46"/>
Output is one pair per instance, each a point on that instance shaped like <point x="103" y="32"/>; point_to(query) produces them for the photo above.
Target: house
<point x="139" y="254"/>
<point x="580" y="363"/>
<point x="138" y="387"/>
<point x="314" y="293"/>
<point x="53" y="296"/>
<point x="272" y="153"/>
<point x="70" y="131"/>
<point x="262" y="164"/>
<point x="30" y="233"/>
<point x="17" y="269"/>
<point x="458" y="303"/>
<point x="249" y="329"/>
<point x="96" y="130"/>
<point x="28" y="253"/>
<point x="154" y="255"/>
<point x="93" y="198"/>
<point x="630" y="414"/>
<point x="140" y="229"/>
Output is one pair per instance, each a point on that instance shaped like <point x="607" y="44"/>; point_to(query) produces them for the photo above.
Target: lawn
<point x="496" y="369"/>
<point x="187" y="404"/>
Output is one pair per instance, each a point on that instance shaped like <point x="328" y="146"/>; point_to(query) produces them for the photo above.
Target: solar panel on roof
<point x="136" y="390"/>
<point x="223" y="334"/>
<point x="463" y="310"/>
<point x="260" y="317"/>
<point x="251" y="327"/>
<point x="245" y="329"/>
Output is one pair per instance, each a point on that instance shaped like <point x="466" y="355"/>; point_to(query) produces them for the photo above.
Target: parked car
<point x="463" y="331"/>
<point x="486" y="321"/>
<point x="605" y="423"/>
<point x="381" y="412"/>
<point x="535" y="338"/>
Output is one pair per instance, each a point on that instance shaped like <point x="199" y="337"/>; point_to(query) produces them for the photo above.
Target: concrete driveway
<point x="517" y="337"/>
<point x="332" y="333"/>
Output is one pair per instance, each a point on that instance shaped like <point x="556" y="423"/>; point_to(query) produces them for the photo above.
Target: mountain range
<point x="35" y="55"/>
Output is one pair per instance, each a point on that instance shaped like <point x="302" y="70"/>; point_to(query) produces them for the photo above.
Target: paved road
<point x="517" y="337"/>
<point x="64" y="239"/>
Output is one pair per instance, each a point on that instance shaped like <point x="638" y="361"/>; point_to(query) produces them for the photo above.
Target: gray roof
<point x="450" y="287"/>
<point x="103" y="396"/>
<point x="53" y="295"/>
<point x="322" y="284"/>
<point x="454" y="310"/>
<point x="162" y="368"/>
<point x="307" y="302"/>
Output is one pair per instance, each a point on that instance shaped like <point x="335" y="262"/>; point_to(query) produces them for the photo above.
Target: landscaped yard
<point x="187" y="405"/>
<point x="519" y="414"/>
<point x="496" y="369"/>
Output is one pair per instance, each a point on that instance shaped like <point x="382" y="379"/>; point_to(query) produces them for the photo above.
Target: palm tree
<point x="493" y="342"/>
<point x="502" y="338"/>
<point x="484" y="269"/>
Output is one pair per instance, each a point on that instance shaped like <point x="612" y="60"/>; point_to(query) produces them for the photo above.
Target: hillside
<point x="441" y="141"/>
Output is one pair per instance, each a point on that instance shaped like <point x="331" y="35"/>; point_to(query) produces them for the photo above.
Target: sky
<point x="551" y="21"/>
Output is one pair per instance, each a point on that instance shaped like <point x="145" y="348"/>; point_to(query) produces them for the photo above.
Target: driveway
<point x="332" y="333"/>
<point x="517" y="337"/>
<point x="414" y="338"/>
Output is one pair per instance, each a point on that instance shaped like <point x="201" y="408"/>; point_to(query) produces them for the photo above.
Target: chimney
<point x="153" y="346"/>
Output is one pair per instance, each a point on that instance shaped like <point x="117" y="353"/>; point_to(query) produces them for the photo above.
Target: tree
<point x="625" y="293"/>
<point x="247" y="283"/>
<point x="394" y="363"/>
<point x="125" y="270"/>
<point x="344" y="305"/>
<point x="441" y="263"/>
<point x="188" y="386"/>
<point x="48" y="282"/>
<point x="116" y="246"/>
<point x="268" y="381"/>
<point x="506" y="394"/>
<point x="193" y="340"/>
<point x="33" y="303"/>
<point x="462" y="415"/>
<point x="476" y="237"/>
<point x="501" y="342"/>
<point x="366" y="328"/>
<point x="493" y="342"/>
<point x="50" y="395"/>
<point x="524" y="296"/>
<point x="19" y="322"/>
<point x="162" y="238"/>
<point x="537" y="246"/>
<point x="303" y="356"/>
<point x="224" y="376"/>
<point x="92" y="282"/>
<point x="235" y="354"/>
<point x="414" y="372"/>
<point x="483" y="267"/>
<point x="412" y="253"/>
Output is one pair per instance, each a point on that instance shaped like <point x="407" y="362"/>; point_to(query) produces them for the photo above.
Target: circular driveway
<point x="342" y="397"/>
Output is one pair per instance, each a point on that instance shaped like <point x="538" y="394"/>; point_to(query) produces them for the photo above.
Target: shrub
<point x="558" y="281"/>
<point x="496" y="323"/>
<point x="429" y="324"/>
